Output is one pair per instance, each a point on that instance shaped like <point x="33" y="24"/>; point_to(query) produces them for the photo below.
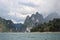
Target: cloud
<point x="17" y="10"/>
<point x="45" y="7"/>
<point x="4" y="10"/>
<point x="28" y="4"/>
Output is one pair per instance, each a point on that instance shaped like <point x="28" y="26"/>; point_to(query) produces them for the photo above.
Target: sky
<point x="17" y="10"/>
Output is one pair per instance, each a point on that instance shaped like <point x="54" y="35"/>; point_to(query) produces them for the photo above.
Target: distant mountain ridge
<point x="5" y="25"/>
<point x="51" y="16"/>
<point x="18" y="27"/>
<point x="9" y="26"/>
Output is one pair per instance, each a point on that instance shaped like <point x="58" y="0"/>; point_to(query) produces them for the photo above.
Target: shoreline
<point x="29" y="32"/>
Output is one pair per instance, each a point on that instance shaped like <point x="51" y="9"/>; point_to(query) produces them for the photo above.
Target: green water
<point x="30" y="36"/>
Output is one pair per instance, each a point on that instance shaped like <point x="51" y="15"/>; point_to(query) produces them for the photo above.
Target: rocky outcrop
<point x="34" y="20"/>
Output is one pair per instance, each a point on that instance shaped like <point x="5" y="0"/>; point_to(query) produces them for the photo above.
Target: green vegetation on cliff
<point x="51" y="26"/>
<point x="5" y="25"/>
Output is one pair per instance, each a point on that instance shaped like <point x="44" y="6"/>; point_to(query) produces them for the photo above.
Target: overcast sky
<point x="17" y="10"/>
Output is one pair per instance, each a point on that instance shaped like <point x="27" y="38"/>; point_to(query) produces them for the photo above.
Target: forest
<point x="51" y="26"/>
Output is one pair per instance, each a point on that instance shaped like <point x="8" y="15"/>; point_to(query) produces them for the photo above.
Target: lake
<point x="30" y="36"/>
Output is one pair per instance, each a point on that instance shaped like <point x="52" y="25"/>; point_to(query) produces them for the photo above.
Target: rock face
<point x="35" y="19"/>
<point x="51" y="17"/>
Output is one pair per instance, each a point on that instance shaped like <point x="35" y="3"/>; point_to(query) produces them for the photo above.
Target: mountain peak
<point x="37" y="12"/>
